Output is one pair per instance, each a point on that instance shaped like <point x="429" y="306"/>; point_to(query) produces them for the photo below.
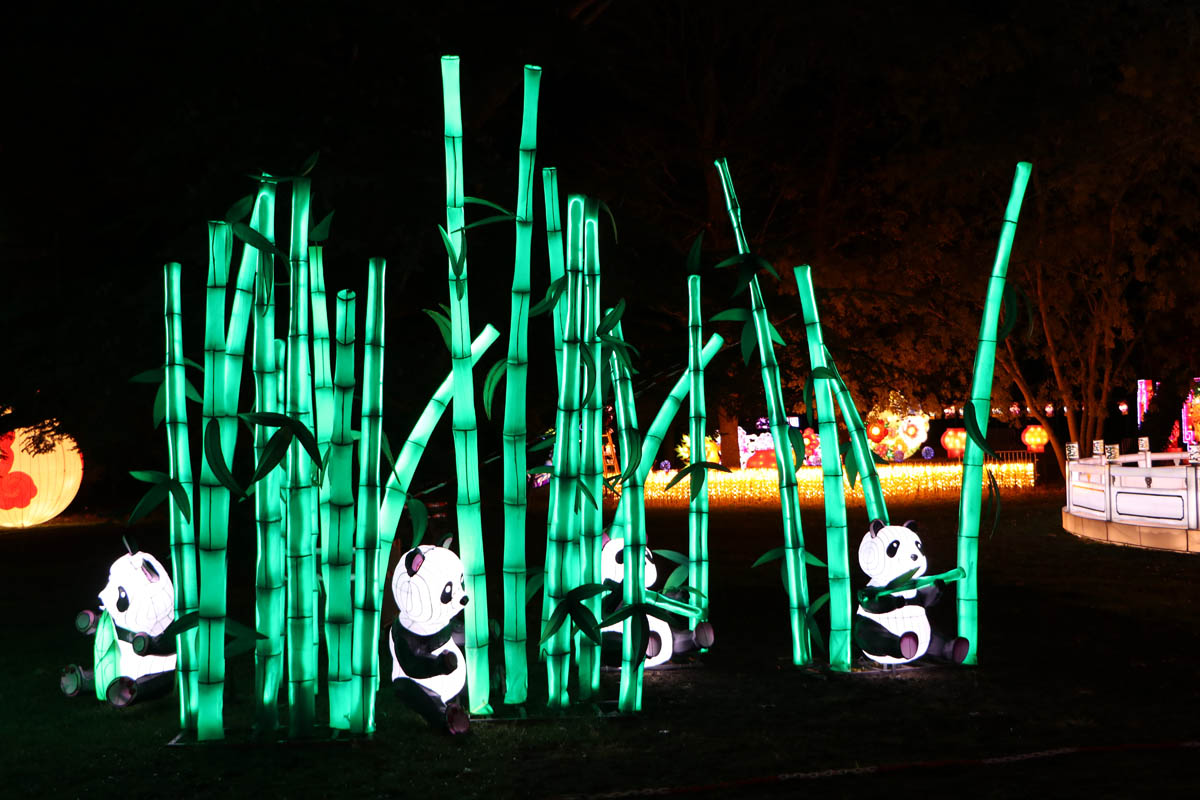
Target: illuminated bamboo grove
<point x="794" y="556"/>
<point x="466" y="448"/>
<point x="697" y="422"/>
<point x="978" y="411"/>
<point x="516" y="670"/>
<point x="179" y="519"/>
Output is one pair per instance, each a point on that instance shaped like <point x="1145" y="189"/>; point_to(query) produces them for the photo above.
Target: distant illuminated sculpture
<point x="955" y="441"/>
<point x="1034" y="438"/>
<point x="428" y="669"/>
<point x="133" y="658"/>
<point x="891" y="626"/>
<point x="896" y="433"/>
<point x="36" y="488"/>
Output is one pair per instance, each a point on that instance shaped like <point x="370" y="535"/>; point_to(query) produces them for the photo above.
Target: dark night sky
<point x="127" y="129"/>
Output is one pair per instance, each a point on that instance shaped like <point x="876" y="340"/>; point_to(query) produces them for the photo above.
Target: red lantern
<point x="955" y="441"/>
<point x="1034" y="438"/>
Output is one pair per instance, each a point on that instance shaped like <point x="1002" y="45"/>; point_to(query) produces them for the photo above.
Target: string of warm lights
<point x="760" y="487"/>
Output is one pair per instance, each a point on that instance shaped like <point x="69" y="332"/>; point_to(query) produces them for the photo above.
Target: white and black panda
<point x="136" y="608"/>
<point x="665" y="639"/>
<point x="428" y="669"/>
<point x="894" y="628"/>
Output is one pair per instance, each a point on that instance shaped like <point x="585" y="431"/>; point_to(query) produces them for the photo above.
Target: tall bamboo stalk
<point x="516" y="670"/>
<point x="793" y="532"/>
<point x="556" y="258"/>
<point x="322" y="364"/>
<point x="838" y="558"/>
<point x="301" y="568"/>
<point x="337" y="550"/>
<point x="213" y="534"/>
<point x="591" y="472"/>
<point x="629" y="698"/>
<point x="180" y="525"/>
<point x="698" y="505"/>
<point x="658" y="429"/>
<point x="561" y="567"/>
<point x="367" y="566"/>
<point x="466" y="449"/>
<point x="981" y="401"/>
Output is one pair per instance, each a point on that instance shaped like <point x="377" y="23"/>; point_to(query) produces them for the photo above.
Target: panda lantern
<point x="133" y="652"/>
<point x="894" y="628"/>
<point x="665" y="640"/>
<point x="428" y="669"/>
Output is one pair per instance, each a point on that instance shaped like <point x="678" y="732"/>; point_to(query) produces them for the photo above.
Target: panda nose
<point x="465" y="600"/>
<point x="914" y="556"/>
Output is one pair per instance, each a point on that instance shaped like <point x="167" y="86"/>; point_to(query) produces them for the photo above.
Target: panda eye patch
<point x="122" y="600"/>
<point x="621" y="556"/>
<point x="919" y="548"/>
<point x="447" y="592"/>
<point x="893" y="548"/>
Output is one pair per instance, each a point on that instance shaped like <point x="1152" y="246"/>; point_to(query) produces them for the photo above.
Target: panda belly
<point x="134" y="666"/>
<point x="899" y="622"/>
<point x="445" y="686"/>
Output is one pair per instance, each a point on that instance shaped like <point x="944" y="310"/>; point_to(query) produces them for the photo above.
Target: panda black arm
<point x="929" y="595"/>
<point x="415" y="654"/>
<point x="146" y="645"/>
<point x="881" y="603"/>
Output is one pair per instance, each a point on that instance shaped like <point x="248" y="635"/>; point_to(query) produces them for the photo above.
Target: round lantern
<point x="876" y="432"/>
<point x="955" y="441"/>
<point x="35" y="488"/>
<point x="1034" y="438"/>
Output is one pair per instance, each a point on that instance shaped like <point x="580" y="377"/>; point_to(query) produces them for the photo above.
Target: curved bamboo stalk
<point x="629" y="698"/>
<point x="338" y="547"/>
<point x="838" y="558"/>
<point x="793" y="531"/>
<point x="697" y="422"/>
<point x="367" y="563"/>
<point x="516" y="670"/>
<point x="981" y="400"/>
<point x="181" y="528"/>
<point x="213" y="534"/>
<point x="301" y="569"/>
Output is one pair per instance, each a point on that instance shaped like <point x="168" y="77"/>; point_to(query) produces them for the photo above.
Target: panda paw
<point x="908" y="645"/>
<point x="121" y="692"/>
<point x="959" y="647"/>
<point x="457" y="720"/>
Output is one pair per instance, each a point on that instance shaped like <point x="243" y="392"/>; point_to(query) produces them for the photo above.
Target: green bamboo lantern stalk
<point x="831" y="468"/>
<point x="516" y="670"/>
<point x="466" y="452"/>
<point x="554" y="249"/>
<point x="338" y="547"/>
<point x="981" y="403"/>
<point x="321" y="419"/>
<point x="179" y="520"/>
<point x="367" y="564"/>
<point x="301" y="569"/>
<point x="698" y="505"/>
<point x="564" y="526"/>
<point x="213" y="534"/>
<point x="592" y="451"/>
<point x="797" y="580"/>
<point x="629" y="698"/>
<point x="658" y="429"/>
<point x="863" y="456"/>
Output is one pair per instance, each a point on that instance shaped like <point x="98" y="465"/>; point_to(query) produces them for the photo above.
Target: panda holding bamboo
<point x="428" y="668"/>
<point x="893" y="628"/>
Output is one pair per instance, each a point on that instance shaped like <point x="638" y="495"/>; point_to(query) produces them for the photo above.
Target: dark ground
<point x="1083" y="646"/>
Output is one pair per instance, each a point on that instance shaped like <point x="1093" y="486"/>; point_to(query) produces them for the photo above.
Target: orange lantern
<point x="1034" y="438"/>
<point x="35" y="488"/>
<point x="955" y="441"/>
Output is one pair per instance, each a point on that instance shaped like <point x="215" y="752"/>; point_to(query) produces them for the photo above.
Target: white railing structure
<point x="1143" y="499"/>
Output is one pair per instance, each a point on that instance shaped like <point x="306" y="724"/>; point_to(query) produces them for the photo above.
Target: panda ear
<point x="604" y="537"/>
<point x="150" y="572"/>
<point x="911" y="524"/>
<point x="413" y="561"/>
<point x="876" y="526"/>
<point x="447" y="541"/>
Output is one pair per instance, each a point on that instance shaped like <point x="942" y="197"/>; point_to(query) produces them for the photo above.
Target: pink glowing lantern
<point x="955" y="441"/>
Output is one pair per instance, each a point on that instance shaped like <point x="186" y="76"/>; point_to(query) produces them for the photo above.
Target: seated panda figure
<point x="894" y="628"/>
<point x="428" y="669"/>
<point x="665" y="639"/>
<point x="133" y="657"/>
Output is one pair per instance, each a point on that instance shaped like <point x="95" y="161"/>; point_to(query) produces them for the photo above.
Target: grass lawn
<point x="1083" y="645"/>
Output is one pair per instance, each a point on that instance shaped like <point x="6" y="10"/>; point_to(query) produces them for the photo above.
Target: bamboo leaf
<point x="796" y="439"/>
<point x="586" y="621"/>
<point x="1010" y="310"/>
<point x="586" y="592"/>
<point x="190" y="392"/>
<point x="420" y="518"/>
<point x="179" y="495"/>
<point x="386" y="448"/>
<point x="306" y="438"/>
<point x="533" y="583"/>
<point x="611" y="318"/>
<point x="544" y="444"/>
<point x="768" y="557"/>
<point x="479" y="201"/>
<point x="776" y="337"/>
<point x="555" y="622"/>
<point x="160" y="404"/>
<point x="1028" y="304"/>
<point x="810" y="406"/>
<point x="749" y="342"/>
<point x="187" y="362"/>
<point x="993" y="493"/>
<point x="216" y="460"/>
<point x="973" y="430"/>
<point x="268" y="419"/>
<point x="489" y="221"/>
<point x="553" y="292"/>
<point x="733" y="315"/>
<point x="677" y="578"/>
<point x="693" y="257"/>
<point x="641" y="636"/>
<point x="149" y="376"/>
<point x="671" y="555"/>
<point x="273" y="453"/>
<point x="239" y="210"/>
<point x="443" y="324"/>
<point x="309" y="163"/>
<point x="181" y="625"/>
<point x="545" y="469"/>
<point x="824" y="372"/>
<point x="586" y="493"/>
<point x="149" y="475"/>
<point x="588" y="362"/>
<point x="900" y="580"/>
<point x="256" y="240"/>
<point x="680" y="475"/>
<point x="604" y="207"/>
<point x="321" y="232"/>
<point x="851" y="464"/>
<point x="457" y="258"/>
<point x="809" y="558"/>
<point x="157" y="493"/>
<point x="657" y="611"/>
<point x="496" y="374"/>
<point x="633" y="458"/>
